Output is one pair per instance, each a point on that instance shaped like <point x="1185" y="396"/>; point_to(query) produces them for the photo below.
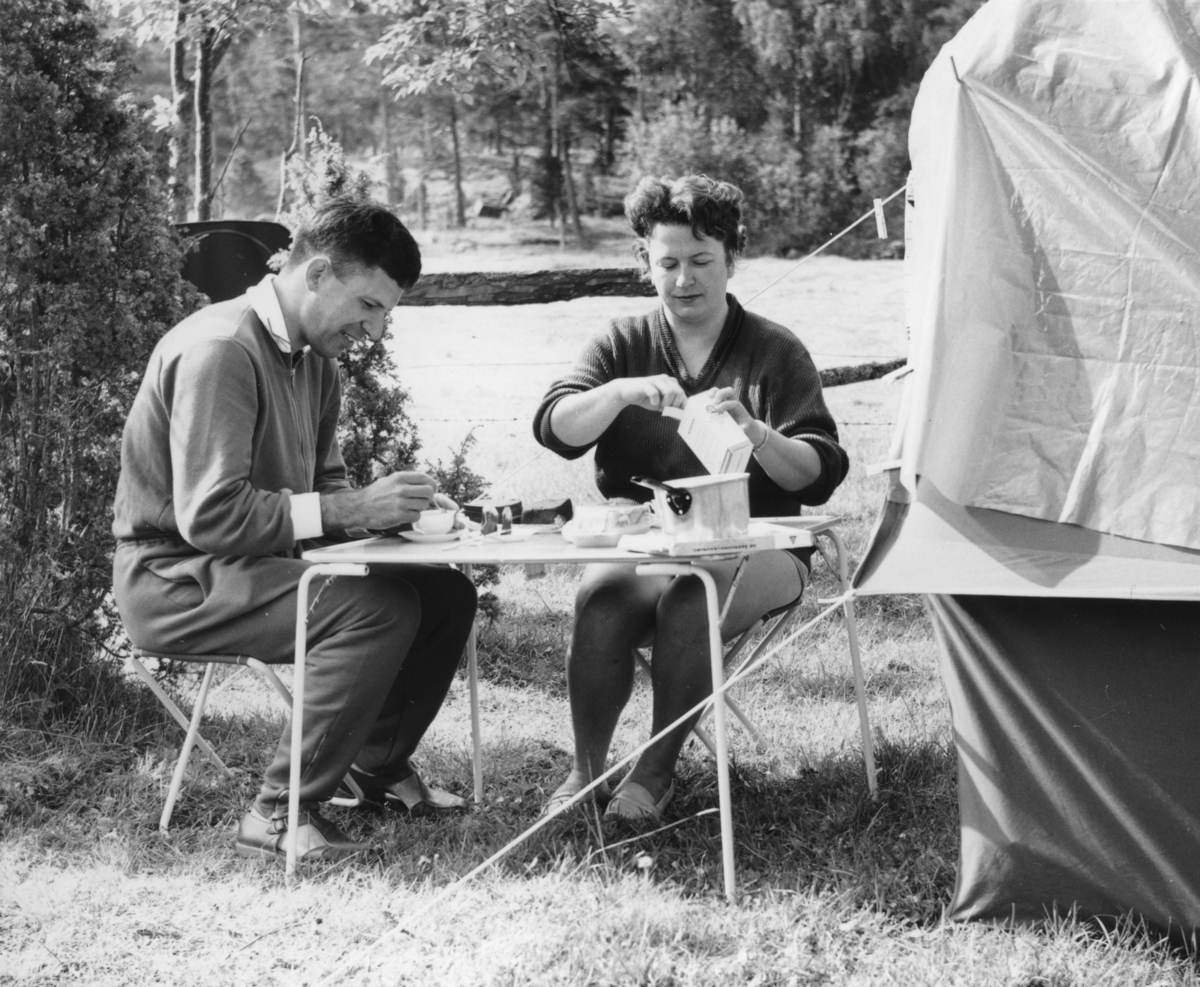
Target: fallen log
<point x="837" y="376"/>
<point x="526" y="288"/>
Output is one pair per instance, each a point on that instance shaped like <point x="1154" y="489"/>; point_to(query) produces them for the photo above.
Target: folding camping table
<point x="532" y="545"/>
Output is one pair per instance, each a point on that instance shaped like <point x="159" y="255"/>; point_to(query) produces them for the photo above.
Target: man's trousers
<point x="382" y="649"/>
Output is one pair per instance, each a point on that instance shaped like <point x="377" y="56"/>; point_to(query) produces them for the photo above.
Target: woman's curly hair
<point x="710" y="207"/>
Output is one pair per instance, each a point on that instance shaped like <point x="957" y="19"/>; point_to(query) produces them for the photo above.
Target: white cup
<point x="434" y="522"/>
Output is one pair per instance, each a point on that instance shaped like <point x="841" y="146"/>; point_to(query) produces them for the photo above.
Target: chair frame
<point x="193" y="737"/>
<point x="782" y="618"/>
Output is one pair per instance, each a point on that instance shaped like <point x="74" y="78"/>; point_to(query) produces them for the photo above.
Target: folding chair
<point x="193" y="738"/>
<point x="782" y="617"/>
<point x="328" y="569"/>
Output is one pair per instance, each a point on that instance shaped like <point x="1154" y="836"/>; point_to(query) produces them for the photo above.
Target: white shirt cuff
<point x="306" y="516"/>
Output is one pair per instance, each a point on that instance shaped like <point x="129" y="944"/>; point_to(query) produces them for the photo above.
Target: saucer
<point x="425" y="539"/>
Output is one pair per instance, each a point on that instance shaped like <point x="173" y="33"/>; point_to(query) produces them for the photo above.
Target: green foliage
<point x="457" y="480"/>
<point x="804" y="103"/>
<point x="696" y="52"/>
<point x="462" y="484"/>
<point x="786" y="202"/>
<point x="88" y="282"/>
<point x="376" y="435"/>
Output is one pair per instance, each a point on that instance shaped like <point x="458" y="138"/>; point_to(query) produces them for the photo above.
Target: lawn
<point x="837" y="889"/>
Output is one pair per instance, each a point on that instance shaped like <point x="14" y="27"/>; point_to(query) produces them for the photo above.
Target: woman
<point x="699" y="341"/>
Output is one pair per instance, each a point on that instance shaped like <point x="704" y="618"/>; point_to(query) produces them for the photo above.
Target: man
<point x="230" y="463"/>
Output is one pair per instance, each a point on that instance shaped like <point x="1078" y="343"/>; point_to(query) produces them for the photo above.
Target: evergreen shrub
<point x="88" y="282"/>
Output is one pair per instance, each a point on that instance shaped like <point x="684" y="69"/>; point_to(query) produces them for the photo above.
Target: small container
<point x="602" y="525"/>
<point x="474" y="509"/>
<point x="702" y="508"/>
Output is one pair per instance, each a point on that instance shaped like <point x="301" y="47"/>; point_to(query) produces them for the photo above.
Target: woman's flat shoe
<point x="562" y="796"/>
<point x="633" y="803"/>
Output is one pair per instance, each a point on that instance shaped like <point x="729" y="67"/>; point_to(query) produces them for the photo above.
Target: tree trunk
<point x="569" y="181"/>
<point x="610" y="136"/>
<point x="797" y="104"/>
<point x="460" y="216"/>
<point x="391" y="167"/>
<point x="556" y="144"/>
<point x="298" y="145"/>
<point x="181" y="118"/>
<point x="204" y="132"/>
<point x="546" y="180"/>
<point x="299" y="57"/>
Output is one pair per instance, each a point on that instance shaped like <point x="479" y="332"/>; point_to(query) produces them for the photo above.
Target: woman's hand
<point x="792" y="463"/>
<point x="655" y="393"/>
<point x="722" y="399"/>
<point x="579" y="419"/>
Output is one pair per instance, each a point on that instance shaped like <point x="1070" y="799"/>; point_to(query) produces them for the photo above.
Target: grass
<point x="837" y="889"/>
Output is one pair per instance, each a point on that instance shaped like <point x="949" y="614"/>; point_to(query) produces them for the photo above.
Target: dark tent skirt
<point x="1075" y="722"/>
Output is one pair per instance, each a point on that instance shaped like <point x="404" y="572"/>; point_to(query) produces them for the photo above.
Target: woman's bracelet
<point x="763" y="441"/>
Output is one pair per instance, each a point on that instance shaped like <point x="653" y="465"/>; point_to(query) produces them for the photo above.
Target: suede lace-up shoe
<point x="406" y="794"/>
<point x="317" y="837"/>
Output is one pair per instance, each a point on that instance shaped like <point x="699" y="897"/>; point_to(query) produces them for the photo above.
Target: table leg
<point x="473" y="686"/>
<point x="321" y="569"/>
<point x="717" y="655"/>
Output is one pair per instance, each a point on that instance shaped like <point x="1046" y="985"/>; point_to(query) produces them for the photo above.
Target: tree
<point x="694" y="51"/>
<point x="88" y="282"/>
<point x="208" y="28"/>
<point x="457" y="49"/>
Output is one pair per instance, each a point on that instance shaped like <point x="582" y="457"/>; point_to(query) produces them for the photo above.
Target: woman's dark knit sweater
<point x="770" y="372"/>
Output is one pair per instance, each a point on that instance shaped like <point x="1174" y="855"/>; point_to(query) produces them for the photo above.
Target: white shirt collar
<point x="265" y="303"/>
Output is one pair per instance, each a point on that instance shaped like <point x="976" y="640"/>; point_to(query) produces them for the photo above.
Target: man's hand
<point x="389" y="501"/>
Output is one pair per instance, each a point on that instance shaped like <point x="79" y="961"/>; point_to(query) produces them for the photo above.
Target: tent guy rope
<point x="345" y="965"/>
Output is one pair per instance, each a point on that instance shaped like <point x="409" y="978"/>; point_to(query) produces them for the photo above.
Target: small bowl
<point x="603" y="525"/>
<point x="434" y="522"/>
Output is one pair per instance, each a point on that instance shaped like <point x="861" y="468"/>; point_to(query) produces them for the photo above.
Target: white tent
<point x="1047" y="461"/>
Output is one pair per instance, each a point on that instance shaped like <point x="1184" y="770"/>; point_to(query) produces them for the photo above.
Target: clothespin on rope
<point x="876" y="211"/>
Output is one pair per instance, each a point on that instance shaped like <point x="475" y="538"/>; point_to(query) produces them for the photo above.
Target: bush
<point x="88" y="282"/>
<point x="462" y="484"/>
<point x="681" y="139"/>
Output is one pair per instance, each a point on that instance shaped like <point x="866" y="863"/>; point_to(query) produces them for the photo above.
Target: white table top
<point x="530" y="545"/>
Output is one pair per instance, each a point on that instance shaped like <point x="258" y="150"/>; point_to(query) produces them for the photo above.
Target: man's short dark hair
<point x="359" y="231"/>
<point x="708" y="206"/>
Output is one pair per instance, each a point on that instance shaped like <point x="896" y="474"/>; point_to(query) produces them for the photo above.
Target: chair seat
<point x="238" y="659"/>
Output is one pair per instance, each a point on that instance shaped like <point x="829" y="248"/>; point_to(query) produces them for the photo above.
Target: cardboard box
<point x="715" y="438"/>
<point x="761" y="535"/>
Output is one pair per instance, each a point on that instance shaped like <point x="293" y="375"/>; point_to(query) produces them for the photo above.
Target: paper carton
<point x="714" y="437"/>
